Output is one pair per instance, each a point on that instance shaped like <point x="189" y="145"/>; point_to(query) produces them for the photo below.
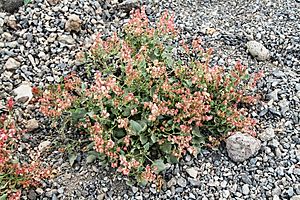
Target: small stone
<point x="12" y="22"/>
<point x="290" y="191"/>
<point x="43" y="145"/>
<point x="242" y="146"/>
<point x="53" y="2"/>
<point x="181" y="182"/>
<point x="67" y="39"/>
<point x="171" y="182"/>
<point x="192" y="172"/>
<point x="12" y="64"/>
<point x="128" y="5"/>
<point x="273" y="95"/>
<point x="276" y="197"/>
<point x="135" y="190"/>
<point x="257" y="50"/>
<point x="226" y="193"/>
<point x="245" y="189"/>
<point x="40" y="191"/>
<point x="60" y="190"/>
<point x="246" y="179"/>
<point x="32" y="195"/>
<point x="297" y="86"/>
<point x="73" y="23"/>
<point x="296" y="171"/>
<point x="297" y="197"/>
<point x="23" y="93"/>
<point x="267" y="134"/>
<point x="32" y="124"/>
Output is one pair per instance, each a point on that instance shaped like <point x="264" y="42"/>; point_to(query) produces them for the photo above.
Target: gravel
<point x="37" y="47"/>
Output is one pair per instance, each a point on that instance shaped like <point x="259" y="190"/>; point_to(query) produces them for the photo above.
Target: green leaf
<point x="160" y="165"/>
<point x="147" y="146"/>
<point x="138" y="126"/>
<point x="91" y="158"/>
<point x="3" y="197"/>
<point x="83" y="87"/>
<point x="196" y="131"/>
<point x="78" y="114"/>
<point x="166" y="147"/>
<point x="119" y="133"/>
<point x="172" y="159"/>
<point x="26" y="2"/>
<point x="153" y="138"/>
<point x="143" y="139"/>
<point x="135" y="127"/>
<point x="72" y="158"/>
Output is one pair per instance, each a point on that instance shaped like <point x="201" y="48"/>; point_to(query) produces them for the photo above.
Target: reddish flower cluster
<point x="16" y="175"/>
<point x="144" y="97"/>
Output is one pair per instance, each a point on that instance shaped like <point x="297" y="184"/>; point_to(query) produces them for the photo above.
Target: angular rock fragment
<point x="241" y="146"/>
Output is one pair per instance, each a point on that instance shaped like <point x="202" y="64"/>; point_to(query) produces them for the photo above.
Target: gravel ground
<point x="36" y="48"/>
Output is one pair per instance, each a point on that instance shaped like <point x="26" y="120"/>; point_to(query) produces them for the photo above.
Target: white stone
<point x="43" y="145"/>
<point x="12" y="64"/>
<point x="267" y="134"/>
<point x="297" y="197"/>
<point x="192" y="172"/>
<point x="241" y="146"/>
<point x="258" y="50"/>
<point x="23" y="93"/>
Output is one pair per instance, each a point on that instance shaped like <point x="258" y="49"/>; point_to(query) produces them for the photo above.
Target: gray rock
<point x="273" y="95"/>
<point x="171" y="182"/>
<point x="257" y="50"/>
<point x="267" y="134"/>
<point x="12" y="64"/>
<point x="67" y="39"/>
<point x="245" y="189"/>
<point x="242" y="146"/>
<point x="181" y="182"/>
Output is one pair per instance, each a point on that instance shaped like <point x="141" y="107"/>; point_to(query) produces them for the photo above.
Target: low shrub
<point x="147" y="107"/>
<point x="15" y="174"/>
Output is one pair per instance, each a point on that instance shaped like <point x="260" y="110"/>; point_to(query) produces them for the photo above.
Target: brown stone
<point x="73" y="23"/>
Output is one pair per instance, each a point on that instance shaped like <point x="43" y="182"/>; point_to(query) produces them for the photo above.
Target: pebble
<point x="12" y="64"/>
<point x="267" y="134"/>
<point x="181" y="182"/>
<point x="192" y="172"/>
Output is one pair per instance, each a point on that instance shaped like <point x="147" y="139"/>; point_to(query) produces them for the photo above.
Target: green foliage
<point x="27" y="2"/>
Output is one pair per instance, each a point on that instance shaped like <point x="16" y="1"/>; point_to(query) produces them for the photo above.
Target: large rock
<point x="10" y="5"/>
<point x="257" y="50"/>
<point x="241" y="146"/>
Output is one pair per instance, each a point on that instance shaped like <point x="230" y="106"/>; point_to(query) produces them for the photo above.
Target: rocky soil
<point x="39" y="43"/>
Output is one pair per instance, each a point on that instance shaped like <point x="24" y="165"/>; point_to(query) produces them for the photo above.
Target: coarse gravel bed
<point x="45" y="52"/>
